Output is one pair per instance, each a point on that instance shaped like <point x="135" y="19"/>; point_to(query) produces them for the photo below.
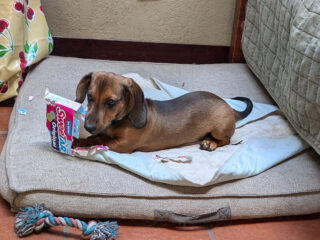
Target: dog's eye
<point x="90" y="98"/>
<point x="110" y="102"/>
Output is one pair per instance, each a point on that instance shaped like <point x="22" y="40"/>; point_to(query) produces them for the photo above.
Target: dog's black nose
<point x="90" y="128"/>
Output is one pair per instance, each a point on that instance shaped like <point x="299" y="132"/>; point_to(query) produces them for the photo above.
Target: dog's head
<point x="111" y="97"/>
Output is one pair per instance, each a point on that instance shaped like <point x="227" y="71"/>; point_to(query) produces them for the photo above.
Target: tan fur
<point x="138" y="124"/>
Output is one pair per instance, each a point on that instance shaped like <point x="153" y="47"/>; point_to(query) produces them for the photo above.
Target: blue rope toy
<point x="37" y="218"/>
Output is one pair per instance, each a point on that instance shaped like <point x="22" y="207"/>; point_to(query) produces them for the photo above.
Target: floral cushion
<point x="24" y="40"/>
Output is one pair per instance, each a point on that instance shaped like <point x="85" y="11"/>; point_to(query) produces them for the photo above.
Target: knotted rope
<point x="37" y="218"/>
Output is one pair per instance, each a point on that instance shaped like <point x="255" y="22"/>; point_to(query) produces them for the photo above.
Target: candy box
<point x="63" y="120"/>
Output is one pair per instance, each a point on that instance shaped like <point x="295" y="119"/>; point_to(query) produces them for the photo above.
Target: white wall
<point x="207" y="22"/>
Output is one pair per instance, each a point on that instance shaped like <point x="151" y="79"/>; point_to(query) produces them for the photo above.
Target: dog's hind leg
<point x="216" y="139"/>
<point x="210" y="144"/>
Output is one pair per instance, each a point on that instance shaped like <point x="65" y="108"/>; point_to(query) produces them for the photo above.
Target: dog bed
<point x="30" y="172"/>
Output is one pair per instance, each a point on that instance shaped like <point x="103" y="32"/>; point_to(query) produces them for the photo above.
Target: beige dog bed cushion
<point x="30" y="172"/>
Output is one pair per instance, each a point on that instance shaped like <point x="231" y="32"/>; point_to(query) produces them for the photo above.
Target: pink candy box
<point x="62" y="121"/>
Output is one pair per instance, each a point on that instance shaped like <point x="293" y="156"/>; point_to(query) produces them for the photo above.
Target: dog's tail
<point x="247" y="111"/>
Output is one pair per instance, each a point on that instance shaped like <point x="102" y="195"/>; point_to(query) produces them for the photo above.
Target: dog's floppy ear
<point x="82" y="88"/>
<point x="138" y="113"/>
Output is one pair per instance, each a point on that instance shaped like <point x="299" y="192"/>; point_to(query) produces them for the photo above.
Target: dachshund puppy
<point x="121" y="118"/>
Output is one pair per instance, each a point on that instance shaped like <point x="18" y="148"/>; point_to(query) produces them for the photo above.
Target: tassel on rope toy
<point x="37" y="218"/>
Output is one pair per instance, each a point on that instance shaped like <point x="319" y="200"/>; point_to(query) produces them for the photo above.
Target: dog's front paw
<point x="77" y="143"/>
<point x="208" y="145"/>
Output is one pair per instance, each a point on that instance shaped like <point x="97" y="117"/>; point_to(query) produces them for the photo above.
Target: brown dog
<point x="121" y="118"/>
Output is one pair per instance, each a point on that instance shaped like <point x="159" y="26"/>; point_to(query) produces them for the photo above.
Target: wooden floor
<point x="291" y="228"/>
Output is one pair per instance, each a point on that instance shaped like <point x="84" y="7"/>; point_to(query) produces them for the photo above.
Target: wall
<point x="204" y="22"/>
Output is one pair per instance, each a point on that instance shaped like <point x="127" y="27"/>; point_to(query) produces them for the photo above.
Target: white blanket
<point x="262" y="140"/>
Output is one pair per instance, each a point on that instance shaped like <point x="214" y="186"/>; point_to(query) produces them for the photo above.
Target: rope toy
<point x="37" y="218"/>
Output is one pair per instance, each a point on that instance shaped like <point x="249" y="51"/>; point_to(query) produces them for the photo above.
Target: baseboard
<point x="7" y="103"/>
<point x="140" y="51"/>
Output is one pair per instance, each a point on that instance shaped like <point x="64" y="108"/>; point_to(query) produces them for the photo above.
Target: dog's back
<point x="186" y="119"/>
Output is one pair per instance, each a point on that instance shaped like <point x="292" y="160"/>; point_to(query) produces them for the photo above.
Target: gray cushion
<point x="281" y="44"/>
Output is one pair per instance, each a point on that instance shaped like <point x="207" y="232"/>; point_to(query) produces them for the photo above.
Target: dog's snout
<point x="89" y="127"/>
